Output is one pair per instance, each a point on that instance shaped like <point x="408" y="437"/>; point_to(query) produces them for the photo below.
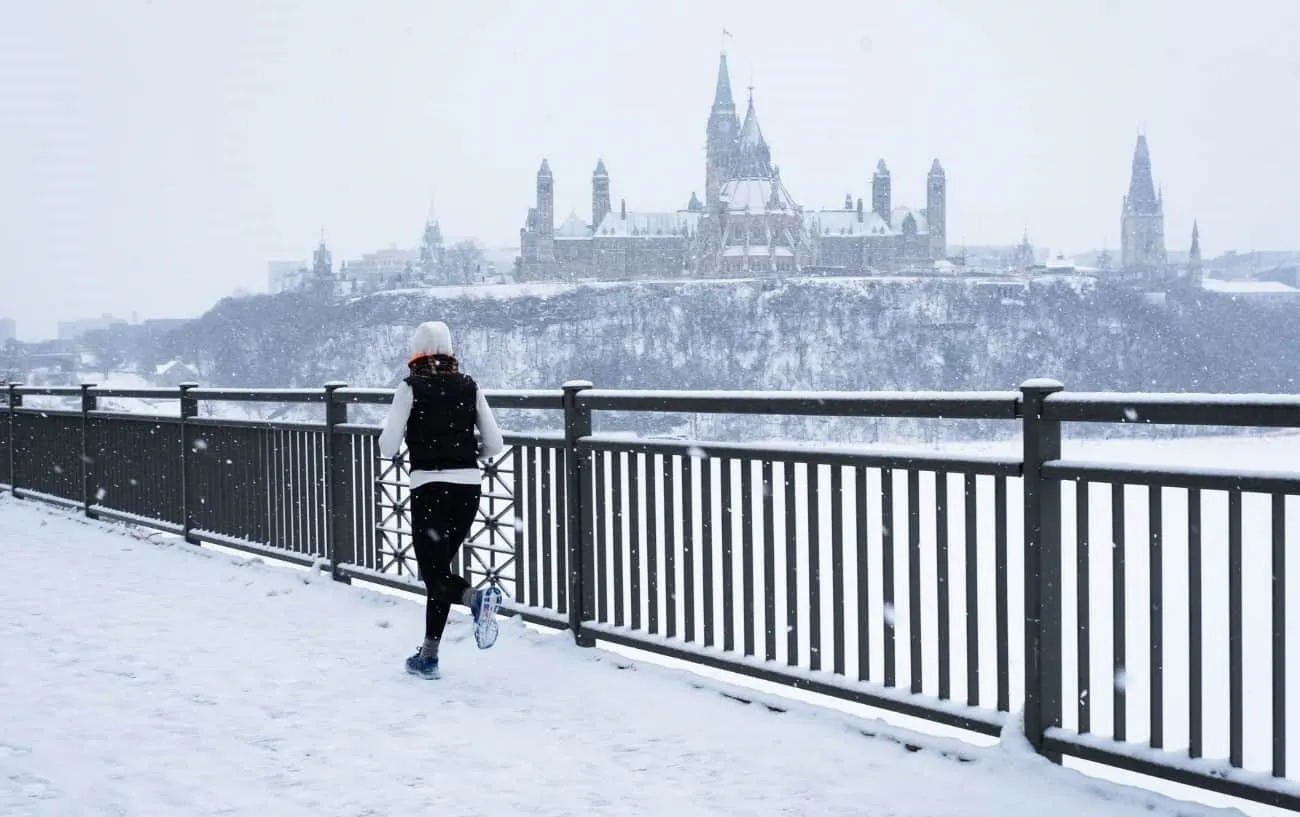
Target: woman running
<point x="435" y="411"/>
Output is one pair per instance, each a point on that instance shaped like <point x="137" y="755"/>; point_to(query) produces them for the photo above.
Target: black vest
<point x="440" y="429"/>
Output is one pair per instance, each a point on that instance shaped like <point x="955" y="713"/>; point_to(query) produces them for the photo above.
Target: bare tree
<point x="464" y="260"/>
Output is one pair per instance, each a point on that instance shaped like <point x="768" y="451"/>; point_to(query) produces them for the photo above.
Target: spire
<point x="545" y="170"/>
<point x="753" y="157"/>
<point x="1142" y="197"/>
<point x="722" y="100"/>
<point x="936" y="169"/>
<point x="600" y="173"/>
<point x="881" y="170"/>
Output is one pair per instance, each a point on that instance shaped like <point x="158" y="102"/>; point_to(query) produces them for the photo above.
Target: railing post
<point x="338" y="494"/>
<point x="189" y="409"/>
<point x="579" y="535"/>
<point x="1042" y="559"/>
<point x="88" y="404"/>
<point x="15" y="402"/>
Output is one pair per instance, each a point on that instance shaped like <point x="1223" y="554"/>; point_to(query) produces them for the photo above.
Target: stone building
<point x="748" y="224"/>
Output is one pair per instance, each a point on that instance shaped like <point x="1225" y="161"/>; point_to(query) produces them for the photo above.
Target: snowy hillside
<point x="888" y="333"/>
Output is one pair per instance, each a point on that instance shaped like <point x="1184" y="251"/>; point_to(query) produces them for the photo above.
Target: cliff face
<point x="795" y="334"/>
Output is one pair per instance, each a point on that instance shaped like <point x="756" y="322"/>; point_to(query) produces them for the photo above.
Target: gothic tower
<point x="880" y="184"/>
<point x="1142" y="226"/>
<point x="1194" y="255"/>
<point x="724" y="127"/>
<point x="599" y="195"/>
<point x="545" y="213"/>
<point x="936" y="211"/>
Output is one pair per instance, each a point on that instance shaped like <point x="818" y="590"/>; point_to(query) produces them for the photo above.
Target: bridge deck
<point x="141" y="678"/>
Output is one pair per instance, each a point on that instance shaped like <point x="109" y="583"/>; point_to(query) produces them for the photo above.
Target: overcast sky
<point x="155" y="155"/>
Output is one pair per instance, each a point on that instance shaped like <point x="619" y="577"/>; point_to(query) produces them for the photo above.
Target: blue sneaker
<point x="483" y="606"/>
<point x="426" y="668"/>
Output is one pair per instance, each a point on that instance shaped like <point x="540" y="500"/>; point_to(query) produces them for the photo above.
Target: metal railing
<point x="954" y="589"/>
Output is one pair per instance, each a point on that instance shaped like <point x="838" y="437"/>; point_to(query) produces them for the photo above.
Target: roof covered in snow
<point x="1243" y="287"/>
<point x="757" y="195"/>
<point x="827" y="223"/>
<point x="573" y="227"/>
<point x="649" y="225"/>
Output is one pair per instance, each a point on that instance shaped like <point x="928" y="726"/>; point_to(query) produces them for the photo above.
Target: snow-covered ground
<point x="144" y="678"/>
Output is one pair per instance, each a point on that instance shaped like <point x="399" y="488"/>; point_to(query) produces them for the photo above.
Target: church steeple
<point x="1142" y="229"/>
<point x="1194" y="254"/>
<point x="723" y="129"/>
<point x="722" y="101"/>
<point x="753" y="156"/>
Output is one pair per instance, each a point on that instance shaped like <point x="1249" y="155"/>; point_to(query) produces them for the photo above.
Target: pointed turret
<point x="723" y="128"/>
<point x="1142" y="197"/>
<point x="722" y="100"/>
<point x="1194" y="254"/>
<point x="753" y="157"/>
<point x="1142" y="236"/>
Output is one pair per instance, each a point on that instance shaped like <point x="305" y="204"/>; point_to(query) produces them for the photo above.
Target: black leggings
<point x="441" y="516"/>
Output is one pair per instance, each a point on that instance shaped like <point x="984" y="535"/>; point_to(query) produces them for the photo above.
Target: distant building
<point x="748" y="223"/>
<point x="8" y="330"/>
<point x="71" y="330"/>
<point x="1142" y="223"/>
<point x="284" y="276"/>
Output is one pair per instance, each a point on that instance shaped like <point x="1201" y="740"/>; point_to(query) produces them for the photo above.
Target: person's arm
<point x="390" y="439"/>
<point x="491" y="441"/>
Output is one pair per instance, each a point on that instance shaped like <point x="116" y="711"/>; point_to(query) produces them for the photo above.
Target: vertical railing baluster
<point x="707" y="547"/>
<point x="617" y="542"/>
<point x="688" y="547"/>
<point x="812" y="485"/>
<point x="862" y="564"/>
<point x="728" y="499"/>
<point x="837" y="570"/>
<point x="915" y="657"/>
<point x="1119" y="599"/>
<point x="887" y="574"/>
<point x="942" y="500"/>
<point x="1156" y="607"/>
<point x="747" y="588"/>
<point x="654" y="470"/>
<point x="792" y="572"/>
<point x="635" y="484"/>
<point x="1279" y="634"/>
<point x="1236" y="613"/>
<point x="605" y="518"/>
<point x="1001" y="594"/>
<point x="1082" y="598"/>
<point x="970" y="536"/>
<point x="669" y="507"/>
<point x="1195" y="661"/>
<point x="769" y="561"/>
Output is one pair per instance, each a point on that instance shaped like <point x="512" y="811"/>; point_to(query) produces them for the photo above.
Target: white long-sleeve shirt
<point x="390" y="439"/>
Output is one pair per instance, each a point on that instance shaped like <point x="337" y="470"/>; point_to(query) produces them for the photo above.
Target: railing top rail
<point x="259" y="395"/>
<point x="1246" y="410"/>
<point x="498" y="398"/>
<point x="142" y="393"/>
<point x="973" y="405"/>
<point x="48" y="391"/>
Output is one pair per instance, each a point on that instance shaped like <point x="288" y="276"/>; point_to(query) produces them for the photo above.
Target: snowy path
<point x="146" y="679"/>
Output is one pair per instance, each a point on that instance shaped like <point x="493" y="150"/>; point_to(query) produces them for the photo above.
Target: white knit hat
<point x="431" y="338"/>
